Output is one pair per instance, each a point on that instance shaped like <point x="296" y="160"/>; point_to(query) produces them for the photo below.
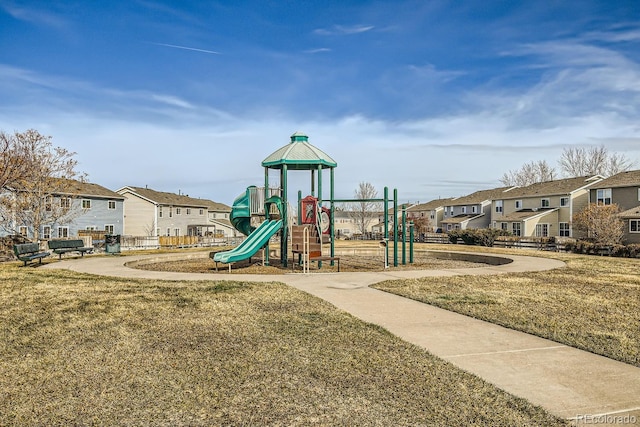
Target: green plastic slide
<point x="252" y="244"/>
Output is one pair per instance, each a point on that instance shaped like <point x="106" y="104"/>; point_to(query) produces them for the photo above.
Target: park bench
<point x="28" y="252"/>
<point x="62" y="246"/>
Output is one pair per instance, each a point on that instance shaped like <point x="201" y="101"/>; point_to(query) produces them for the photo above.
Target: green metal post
<point x="284" y="235"/>
<point x="404" y="234"/>
<point x="410" y="242"/>
<point x="386" y="225"/>
<point x="331" y="212"/>
<point x="299" y="207"/>
<point x="395" y="227"/>
<point x="319" y="206"/>
<point x="266" y="211"/>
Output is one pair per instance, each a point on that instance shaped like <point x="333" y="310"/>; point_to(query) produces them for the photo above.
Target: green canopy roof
<point x="299" y="155"/>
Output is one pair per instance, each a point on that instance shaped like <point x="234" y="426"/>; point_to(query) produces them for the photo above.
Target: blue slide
<point x="252" y="244"/>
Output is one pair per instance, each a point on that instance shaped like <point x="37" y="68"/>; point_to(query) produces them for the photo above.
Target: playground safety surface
<point x="571" y="383"/>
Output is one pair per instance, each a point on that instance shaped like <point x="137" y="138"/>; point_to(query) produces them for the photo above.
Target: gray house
<point x="431" y="212"/>
<point x="622" y="189"/>
<point x="471" y="211"/>
<point x="92" y="206"/>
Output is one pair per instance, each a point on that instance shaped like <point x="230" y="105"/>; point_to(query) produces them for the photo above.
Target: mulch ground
<point x="348" y="263"/>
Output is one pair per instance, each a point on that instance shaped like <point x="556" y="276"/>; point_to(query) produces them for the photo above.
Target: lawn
<point x="86" y="350"/>
<point x="592" y="304"/>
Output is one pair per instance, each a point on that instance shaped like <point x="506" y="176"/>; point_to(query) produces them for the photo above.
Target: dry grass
<point x="87" y="350"/>
<point x="592" y="304"/>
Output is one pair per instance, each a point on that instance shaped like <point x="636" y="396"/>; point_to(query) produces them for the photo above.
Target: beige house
<point x="218" y="223"/>
<point x="622" y="189"/>
<point x="471" y="211"/>
<point x="431" y="213"/>
<point x="149" y="212"/>
<point x="543" y="209"/>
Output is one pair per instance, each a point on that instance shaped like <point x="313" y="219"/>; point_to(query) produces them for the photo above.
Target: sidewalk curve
<point x="568" y="382"/>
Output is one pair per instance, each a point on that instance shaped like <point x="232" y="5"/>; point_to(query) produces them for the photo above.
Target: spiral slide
<point x="240" y="218"/>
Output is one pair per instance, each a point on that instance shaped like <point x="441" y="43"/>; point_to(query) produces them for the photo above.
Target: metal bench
<point x="61" y="247"/>
<point x="27" y="252"/>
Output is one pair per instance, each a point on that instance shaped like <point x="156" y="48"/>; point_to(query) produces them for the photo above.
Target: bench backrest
<point x="26" y="248"/>
<point x="58" y="244"/>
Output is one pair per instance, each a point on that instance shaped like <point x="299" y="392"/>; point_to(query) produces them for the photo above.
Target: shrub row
<point x="479" y="236"/>
<point x="589" y="248"/>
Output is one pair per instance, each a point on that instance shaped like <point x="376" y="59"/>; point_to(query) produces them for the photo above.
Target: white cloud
<point x="343" y="30"/>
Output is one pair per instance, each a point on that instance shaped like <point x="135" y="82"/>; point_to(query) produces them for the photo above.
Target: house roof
<point x="525" y="214"/>
<point x="630" y="213"/>
<point x="299" y="154"/>
<point x="80" y="188"/>
<point x="217" y="207"/>
<point x="552" y="188"/>
<point x="622" y="179"/>
<point x="163" y="198"/>
<point x="480" y="196"/>
<point x="460" y="218"/>
<point x="429" y="206"/>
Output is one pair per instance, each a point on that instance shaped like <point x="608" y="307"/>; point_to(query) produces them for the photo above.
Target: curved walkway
<point x="568" y="382"/>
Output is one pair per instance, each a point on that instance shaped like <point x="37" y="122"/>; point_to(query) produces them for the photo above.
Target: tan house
<point x="542" y="209"/>
<point x="622" y="189"/>
<point x="471" y="211"/>
<point x="431" y="213"/>
<point x="149" y="212"/>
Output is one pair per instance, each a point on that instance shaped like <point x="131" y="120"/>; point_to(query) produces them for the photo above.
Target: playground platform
<point x="571" y="383"/>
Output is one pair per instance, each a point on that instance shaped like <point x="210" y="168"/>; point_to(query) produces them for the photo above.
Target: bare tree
<point x="39" y="186"/>
<point x="601" y="223"/>
<point x="581" y="161"/>
<point x="362" y="213"/>
<point x="528" y="174"/>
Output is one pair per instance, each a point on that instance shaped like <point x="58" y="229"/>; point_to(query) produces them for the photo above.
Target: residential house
<point x="622" y="189"/>
<point x="345" y="223"/>
<point x="218" y="223"/>
<point x="155" y="213"/>
<point x="542" y="209"/>
<point x="77" y="205"/>
<point x="471" y="211"/>
<point x="430" y="214"/>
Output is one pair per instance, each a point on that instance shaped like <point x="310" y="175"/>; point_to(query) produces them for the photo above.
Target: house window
<point x="108" y="228"/>
<point x="564" y="229"/>
<point x="22" y="230"/>
<point x="542" y="230"/>
<point x="65" y="202"/>
<point x="86" y="204"/>
<point x="90" y="227"/>
<point x="518" y="204"/>
<point x="201" y="211"/>
<point x="46" y="232"/>
<point x="159" y="211"/>
<point x="498" y="205"/>
<point x="170" y="211"/>
<point x="464" y="209"/>
<point x="188" y="211"/>
<point x="634" y="226"/>
<point x="112" y="204"/>
<point x="564" y="201"/>
<point x="504" y="226"/>
<point x="603" y="197"/>
<point x="168" y="232"/>
<point x="63" y="232"/>
<point x="431" y="216"/>
<point x="178" y="211"/>
<point x="176" y="232"/>
<point x="545" y="203"/>
<point x="515" y="229"/>
<point x="47" y="204"/>
<point x="474" y="209"/>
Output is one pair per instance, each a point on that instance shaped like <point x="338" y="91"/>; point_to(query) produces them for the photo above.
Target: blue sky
<point x="433" y="98"/>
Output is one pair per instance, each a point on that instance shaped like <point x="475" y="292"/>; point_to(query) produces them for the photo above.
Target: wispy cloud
<point x="34" y="16"/>
<point x="318" y="50"/>
<point x="212" y="52"/>
<point x="337" y="30"/>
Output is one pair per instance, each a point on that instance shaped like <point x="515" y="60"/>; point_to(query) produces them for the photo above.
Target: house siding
<point x="98" y="216"/>
<point x="139" y="215"/>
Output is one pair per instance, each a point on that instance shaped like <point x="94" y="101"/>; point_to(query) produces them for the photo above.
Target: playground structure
<point x="314" y="226"/>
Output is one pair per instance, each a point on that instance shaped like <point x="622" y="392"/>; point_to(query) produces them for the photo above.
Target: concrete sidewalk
<point x="568" y="382"/>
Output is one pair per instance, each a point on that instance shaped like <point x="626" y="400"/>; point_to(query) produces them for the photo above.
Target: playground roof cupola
<point x="299" y="155"/>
